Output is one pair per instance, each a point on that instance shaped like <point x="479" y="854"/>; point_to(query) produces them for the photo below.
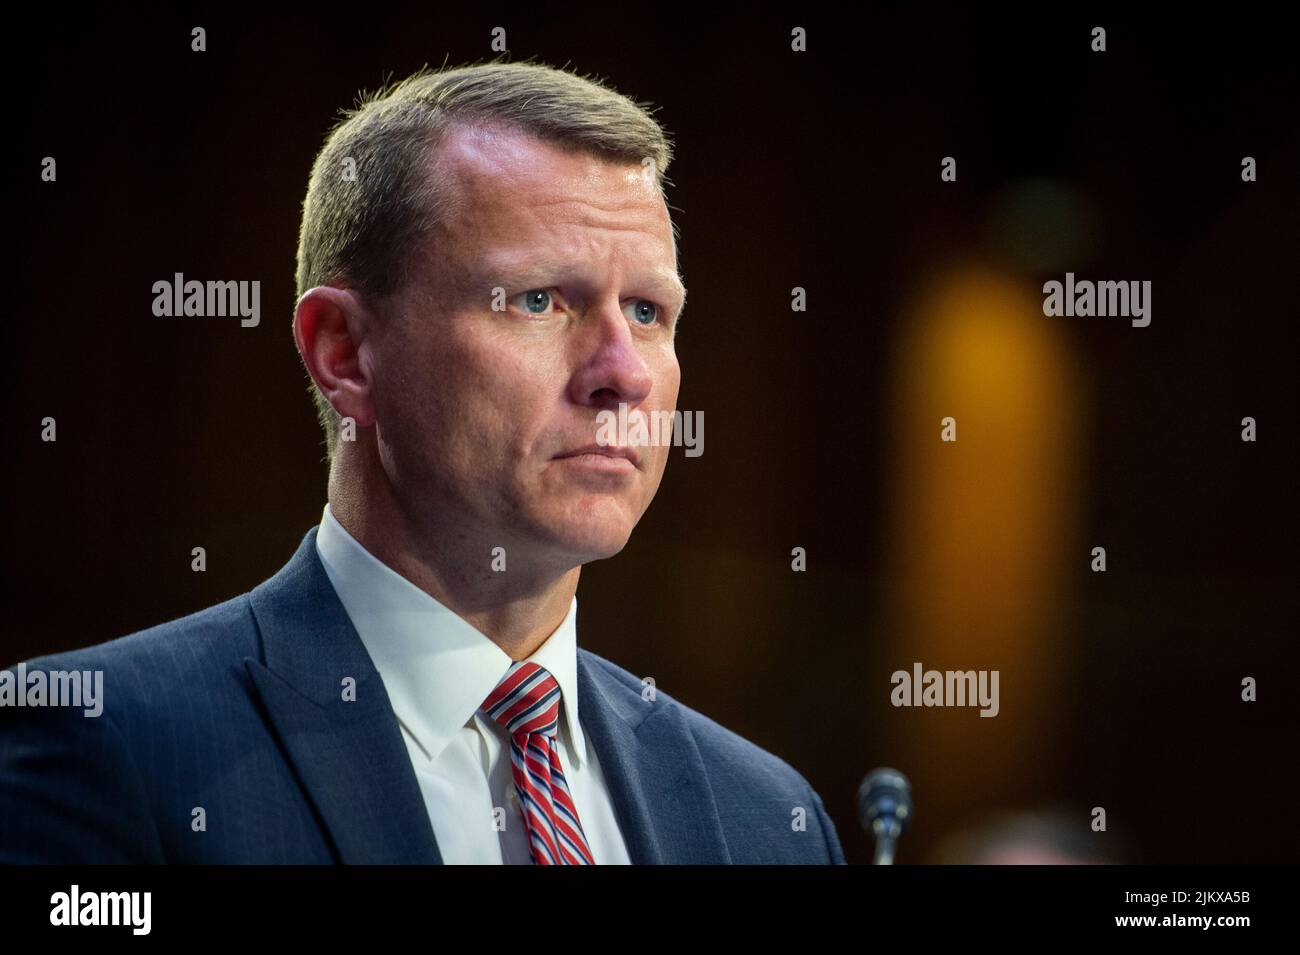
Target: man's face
<point x="479" y="411"/>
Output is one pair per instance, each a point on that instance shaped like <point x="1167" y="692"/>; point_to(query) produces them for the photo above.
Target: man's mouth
<point x="604" y="456"/>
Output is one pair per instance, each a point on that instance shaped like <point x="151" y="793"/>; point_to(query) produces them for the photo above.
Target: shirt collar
<point x="437" y="669"/>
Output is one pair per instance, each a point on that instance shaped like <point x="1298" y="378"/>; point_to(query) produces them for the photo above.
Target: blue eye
<point x="535" y="301"/>
<point x="644" y="312"/>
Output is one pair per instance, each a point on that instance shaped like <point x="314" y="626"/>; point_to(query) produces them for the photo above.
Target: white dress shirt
<point x="437" y="671"/>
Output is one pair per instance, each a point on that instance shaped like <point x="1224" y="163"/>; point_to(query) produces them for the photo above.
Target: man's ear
<point x="329" y="325"/>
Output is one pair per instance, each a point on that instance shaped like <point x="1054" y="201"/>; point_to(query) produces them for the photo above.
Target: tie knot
<point x="526" y="700"/>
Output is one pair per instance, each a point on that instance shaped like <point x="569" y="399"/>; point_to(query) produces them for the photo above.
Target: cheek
<point x="419" y="389"/>
<point x="502" y="391"/>
<point x="668" y="380"/>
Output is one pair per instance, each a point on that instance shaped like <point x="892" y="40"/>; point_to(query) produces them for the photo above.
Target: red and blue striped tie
<point x="527" y="703"/>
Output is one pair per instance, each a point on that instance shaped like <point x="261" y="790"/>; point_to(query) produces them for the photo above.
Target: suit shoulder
<point x="753" y="788"/>
<point x="719" y="746"/>
<point x="172" y="656"/>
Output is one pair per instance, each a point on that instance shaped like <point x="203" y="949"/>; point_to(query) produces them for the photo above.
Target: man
<point x="486" y="264"/>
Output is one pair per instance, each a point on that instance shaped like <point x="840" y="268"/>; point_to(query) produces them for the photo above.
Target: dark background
<point x="820" y="170"/>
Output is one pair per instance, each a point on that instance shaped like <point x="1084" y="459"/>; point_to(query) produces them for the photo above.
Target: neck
<point x="517" y="610"/>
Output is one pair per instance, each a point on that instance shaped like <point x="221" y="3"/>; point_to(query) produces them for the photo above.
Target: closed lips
<point x="605" y="450"/>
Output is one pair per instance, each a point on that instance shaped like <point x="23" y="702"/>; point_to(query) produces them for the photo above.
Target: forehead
<point x="505" y="187"/>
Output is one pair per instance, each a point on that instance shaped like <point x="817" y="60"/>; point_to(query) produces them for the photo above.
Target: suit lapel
<point x="653" y="770"/>
<point x="349" y="755"/>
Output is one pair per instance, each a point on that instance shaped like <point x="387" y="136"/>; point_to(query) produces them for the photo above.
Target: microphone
<point x="884" y="809"/>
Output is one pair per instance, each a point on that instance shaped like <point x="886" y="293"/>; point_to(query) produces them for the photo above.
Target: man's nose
<point x="612" y="370"/>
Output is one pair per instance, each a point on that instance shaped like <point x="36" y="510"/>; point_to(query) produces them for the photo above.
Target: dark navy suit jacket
<point x="238" y="710"/>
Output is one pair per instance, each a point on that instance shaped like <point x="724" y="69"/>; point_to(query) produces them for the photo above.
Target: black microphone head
<point x="885" y="797"/>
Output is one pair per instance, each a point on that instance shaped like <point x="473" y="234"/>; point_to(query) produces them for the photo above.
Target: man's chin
<point x="591" y="529"/>
<point x="584" y="548"/>
<point x="584" y="541"/>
